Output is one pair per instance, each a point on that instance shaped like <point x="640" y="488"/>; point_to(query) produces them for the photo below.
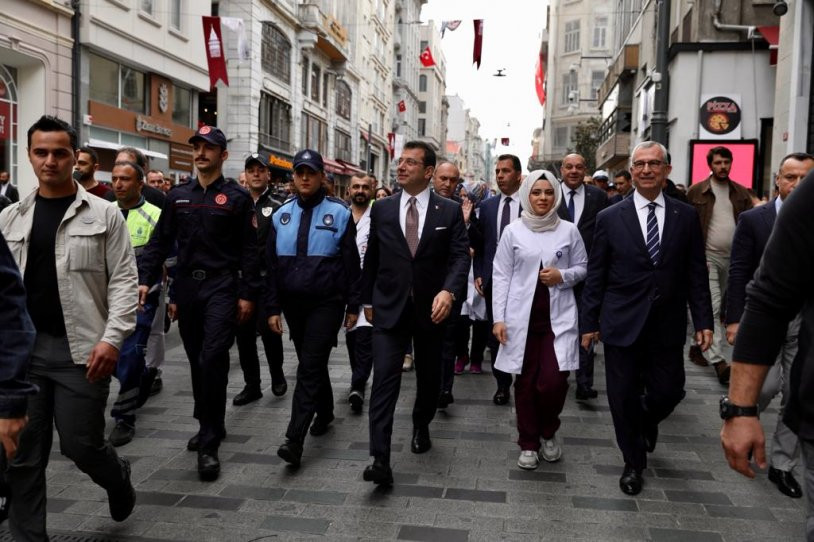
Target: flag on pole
<point x="451" y="25"/>
<point x="402" y="106"/>
<point x="214" y="51"/>
<point x="426" y="58"/>
<point x="539" y="79"/>
<point x="504" y="141"/>
<point x="476" y="52"/>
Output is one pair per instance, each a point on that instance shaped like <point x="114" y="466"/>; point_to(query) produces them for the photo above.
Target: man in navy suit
<point x="417" y="262"/>
<point x="495" y="214"/>
<point x="647" y="262"/>
<point x="751" y="235"/>
<point x="580" y="204"/>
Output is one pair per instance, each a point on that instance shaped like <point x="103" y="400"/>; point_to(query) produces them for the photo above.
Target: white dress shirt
<point x="514" y="205"/>
<point x="422" y="200"/>
<point x="778" y="203"/>
<point x="579" y="200"/>
<point x="641" y="203"/>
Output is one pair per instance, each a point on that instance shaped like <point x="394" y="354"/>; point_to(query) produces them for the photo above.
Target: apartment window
<point x="570" y="82"/>
<point x="422" y="83"/>
<point x="175" y="14"/>
<point x="342" y="148"/>
<point x="117" y="85"/>
<point x="600" y="32"/>
<point x="561" y="136"/>
<point x="422" y="107"/>
<point x="571" y="36"/>
<point x="325" y="91"/>
<point x="597" y="78"/>
<point x="343" y="100"/>
<point x="182" y="106"/>
<point x="146" y="6"/>
<point x="275" y="122"/>
<point x="423" y="45"/>
<point x="275" y="53"/>
<point x="314" y="133"/>
<point x="304" y="76"/>
<point x="422" y="127"/>
<point x="398" y="65"/>
<point x="316" y="73"/>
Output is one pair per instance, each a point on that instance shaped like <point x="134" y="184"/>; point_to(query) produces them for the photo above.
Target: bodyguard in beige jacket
<point x="74" y="252"/>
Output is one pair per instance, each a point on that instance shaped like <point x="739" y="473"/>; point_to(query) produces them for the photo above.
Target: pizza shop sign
<point x="720" y="116"/>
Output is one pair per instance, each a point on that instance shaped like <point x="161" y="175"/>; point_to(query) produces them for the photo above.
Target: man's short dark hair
<point x="135" y="166"/>
<point x="141" y="160"/>
<point x="50" y="123"/>
<point x="799" y="156"/>
<point x="156" y="171"/>
<point x="429" y="153"/>
<point x="623" y="173"/>
<point x="515" y="161"/>
<point x="94" y="156"/>
<point x="723" y="152"/>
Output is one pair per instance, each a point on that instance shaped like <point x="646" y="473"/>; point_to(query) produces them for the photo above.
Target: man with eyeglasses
<point x="581" y="204"/>
<point x="646" y="264"/>
<point x="719" y="201"/>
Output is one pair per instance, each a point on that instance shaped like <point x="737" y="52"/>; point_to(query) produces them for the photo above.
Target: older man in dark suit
<point x="580" y="204"/>
<point x="646" y="263"/>
<point x="417" y="259"/>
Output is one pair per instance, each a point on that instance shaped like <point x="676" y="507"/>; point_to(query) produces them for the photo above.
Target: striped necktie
<point x="652" y="233"/>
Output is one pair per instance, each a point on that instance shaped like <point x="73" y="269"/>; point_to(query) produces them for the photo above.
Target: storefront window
<point x="8" y="122"/>
<point x="132" y="87"/>
<point x="181" y="106"/>
<point x="104" y="80"/>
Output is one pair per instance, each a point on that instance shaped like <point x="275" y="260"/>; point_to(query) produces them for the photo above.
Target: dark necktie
<point x="506" y="216"/>
<point x="411" y="226"/>
<point x="652" y="233"/>
<point x="571" y="210"/>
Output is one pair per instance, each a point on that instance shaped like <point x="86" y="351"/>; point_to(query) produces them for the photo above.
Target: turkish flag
<point x="402" y="106"/>
<point x="426" y="58"/>
<point x="215" y="54"/>
<point x="391" y="144"/>
<point x="539" y="79"/>
<point x="504" y="141"/>
<point x="476" y="52"/>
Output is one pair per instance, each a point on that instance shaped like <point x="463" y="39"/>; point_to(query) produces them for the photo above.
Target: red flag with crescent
<point x="215" y="56"/>
<point x="539" y="79"/>
<point x="402" y="106"/>
<point x="426" y="58"/>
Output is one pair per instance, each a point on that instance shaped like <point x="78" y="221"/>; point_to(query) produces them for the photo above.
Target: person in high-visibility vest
<point x="141" y="217"/>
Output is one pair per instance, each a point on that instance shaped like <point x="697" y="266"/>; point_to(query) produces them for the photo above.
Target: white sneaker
<point x="551" y="450"/>
<point x="528" y="460"/>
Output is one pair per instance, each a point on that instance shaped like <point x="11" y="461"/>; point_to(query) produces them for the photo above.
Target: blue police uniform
<point x="313" y="279"/>
<point x="217" y="264"/>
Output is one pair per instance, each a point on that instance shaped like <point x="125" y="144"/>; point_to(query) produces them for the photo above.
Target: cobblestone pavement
<point x="467" y="487"/>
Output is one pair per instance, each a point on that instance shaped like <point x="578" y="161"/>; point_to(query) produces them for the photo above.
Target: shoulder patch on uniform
<point x="266" y="211"/>
<point x="285" y="218"/>
<point x="221" y="199"/>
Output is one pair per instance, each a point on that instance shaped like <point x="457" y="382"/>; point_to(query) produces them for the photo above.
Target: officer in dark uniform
<point x="216" y="283"/>
<point x="313" y="277"/>
<point x="257" y="183"/>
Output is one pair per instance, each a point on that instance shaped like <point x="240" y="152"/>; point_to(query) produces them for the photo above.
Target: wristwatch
<point x="729" y="410"/>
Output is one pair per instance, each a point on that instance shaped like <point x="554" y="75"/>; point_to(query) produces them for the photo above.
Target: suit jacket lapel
<point x="430" y="221"/>
<point x="631" y="220"/>
<point x="770" y="213"/>
<point x="393" y="218"/>
<point x="586" y="206"/>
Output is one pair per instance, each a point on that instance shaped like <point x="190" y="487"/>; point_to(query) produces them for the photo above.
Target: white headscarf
<point x="535" y="222"/>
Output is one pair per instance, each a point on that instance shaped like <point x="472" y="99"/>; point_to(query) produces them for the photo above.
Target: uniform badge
<point x="204" y="130"/>
<point x="328" y="220"/>
<point x="221" y="199"/>
<point x="285" y="218"/>
<point x="267" y="211"/>
<point x="139" y="231"/>
<point x="306" y="155"/>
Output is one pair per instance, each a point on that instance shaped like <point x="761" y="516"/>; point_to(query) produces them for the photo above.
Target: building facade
<point x="432" y="105"/>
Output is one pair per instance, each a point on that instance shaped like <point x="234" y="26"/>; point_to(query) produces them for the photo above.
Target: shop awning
<point x="351" y="169"/>
<point x="772" y="35"/>
<point x="334" y="167"/>
<point x="102" y="144"/>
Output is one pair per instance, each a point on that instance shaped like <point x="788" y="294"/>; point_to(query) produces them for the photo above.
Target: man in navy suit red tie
<point x="417" y="262"/>
<point x="647" y="262"/>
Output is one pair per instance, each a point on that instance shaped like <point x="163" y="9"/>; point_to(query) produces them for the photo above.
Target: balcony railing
<point x="619" y="121"/>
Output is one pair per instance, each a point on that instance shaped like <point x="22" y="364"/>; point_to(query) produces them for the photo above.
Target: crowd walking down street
<point x="391" y="438"/>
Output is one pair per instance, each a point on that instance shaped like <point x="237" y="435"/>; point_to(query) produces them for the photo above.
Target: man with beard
<point x="87" y="162"/>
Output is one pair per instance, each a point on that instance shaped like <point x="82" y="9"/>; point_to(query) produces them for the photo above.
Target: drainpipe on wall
<point x="75" y="71"/>
<point x="716" y="21"/>
<point x="658" y="122"/>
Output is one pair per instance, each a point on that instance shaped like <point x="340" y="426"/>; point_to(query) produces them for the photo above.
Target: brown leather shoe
<point x="697" y="357"/>
<point x="722" y="371"/>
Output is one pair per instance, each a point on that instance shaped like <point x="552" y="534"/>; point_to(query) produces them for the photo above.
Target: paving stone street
<point x="467" y="487"/>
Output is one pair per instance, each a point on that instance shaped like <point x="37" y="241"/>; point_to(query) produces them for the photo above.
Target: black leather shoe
<point x="651" y="435"/>
<point x="356" y="400"/>
<point x="320" y="425"/>
<point x="279" y="386"/>
<point x="290" y="452"/>
<point x="501" y="396"/>
<point x="122" y="501"/>
<point x="785" y="482"/>
<point x="192" y="444"/>
<point x="248" y="395"/>
<point x="584" y="394"/>
<point x="208" y="465"/>
<point x="445" y="399"/>
<point x="121" y="434"/>
<point x="157" y="386"/>
<point x="379" y="473"/>
<point x="631" y="481"/>
<point x="421" y="440"/>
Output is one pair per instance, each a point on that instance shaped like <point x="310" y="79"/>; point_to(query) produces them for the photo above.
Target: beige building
<point x="433" y="108"/>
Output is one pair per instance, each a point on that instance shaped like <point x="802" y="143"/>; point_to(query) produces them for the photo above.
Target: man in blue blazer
<point x="495" y="214"/>
<point x="647" y="262"/>
<point x="416" y="264"/>
<point x="751" y="235"/>
<point x="580" y="204"/>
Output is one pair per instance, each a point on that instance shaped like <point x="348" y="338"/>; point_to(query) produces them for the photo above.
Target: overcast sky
<point x="512" y="29"/>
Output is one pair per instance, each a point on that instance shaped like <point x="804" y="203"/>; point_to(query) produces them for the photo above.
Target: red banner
<point x="476" y="52"/>
<point x="391" y="144"/>
<point x="426" y="58"/>
<point x="215" y="52"/>
<point x="504" y="141"/>
<point x="5" y="120"/>
<point x="402" y="106"/>
<point x="539" y="79"/>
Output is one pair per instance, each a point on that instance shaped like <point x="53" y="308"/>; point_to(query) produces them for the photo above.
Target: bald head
<point x="445" y="179"/>
<point x="572" y="170"/>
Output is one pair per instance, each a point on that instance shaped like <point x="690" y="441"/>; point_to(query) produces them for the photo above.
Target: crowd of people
<point x="425" y="278"/>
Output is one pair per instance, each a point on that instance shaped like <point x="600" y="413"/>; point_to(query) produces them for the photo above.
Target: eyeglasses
<point x="639" y="164"/>
<point x="410" y="162"/>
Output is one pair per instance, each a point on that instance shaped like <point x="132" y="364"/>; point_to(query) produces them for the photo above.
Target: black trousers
<point x="448" y="348"/>
<point x="481" y="331"/>
<point x="389" y="346"/>
<point x="645" y="383"/>
<point x="360" y="351"/>
<point x="504" y="380"/>
<point x="585" y="373"/>
<point x="247" y="348"/>
<point x="313" y="326"/>
<point x="207" y="318"/>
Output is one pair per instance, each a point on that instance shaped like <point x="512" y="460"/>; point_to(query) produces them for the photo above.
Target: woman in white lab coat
<point x="539" y="260"/>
